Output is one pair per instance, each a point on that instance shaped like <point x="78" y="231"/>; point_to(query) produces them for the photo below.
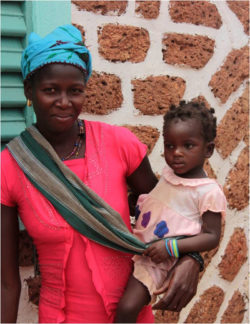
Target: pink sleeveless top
<point x="81" y="280"/>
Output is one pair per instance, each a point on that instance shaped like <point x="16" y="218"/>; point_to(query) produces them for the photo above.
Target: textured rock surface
<point x="189" y="50"/>
<point x="102" y="7"/>
<point x="123" y="43"/>
<point x="195" y="12"/>
<point x="241" y="9"/>
<point x="206" y="309"/>
<point x="148" y="9"/>
<point x="154" y="95"/>
<point x="234" y="126"/>
<point x="235" y="255"/>
<point x="103" y="94"/>
<point x="236" y="187"/>
<point x="166" y="317"/>
<point x="230" y="76"/>
<point x="235" y="310"/>
<point x="146" y="134"/>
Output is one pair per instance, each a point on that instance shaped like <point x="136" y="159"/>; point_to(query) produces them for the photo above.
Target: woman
<point x="83" y="271"/>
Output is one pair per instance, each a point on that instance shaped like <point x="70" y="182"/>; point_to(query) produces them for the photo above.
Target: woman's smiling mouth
<point x="62" y="117"/>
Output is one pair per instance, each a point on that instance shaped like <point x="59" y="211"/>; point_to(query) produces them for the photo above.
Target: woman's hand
<point x="180" y="286"/>
<point x="157" y="252"/>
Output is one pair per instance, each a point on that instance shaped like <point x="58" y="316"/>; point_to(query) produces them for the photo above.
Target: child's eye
<point x="169" y="146"/>
<point x="189" y="146"/>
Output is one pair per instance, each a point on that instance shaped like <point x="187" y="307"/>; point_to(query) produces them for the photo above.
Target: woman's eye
<point x="49" y="90"/>
<point x="77" y="90"/>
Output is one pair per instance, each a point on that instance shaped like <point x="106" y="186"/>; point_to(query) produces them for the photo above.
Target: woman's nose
<point x="64" y="101"/>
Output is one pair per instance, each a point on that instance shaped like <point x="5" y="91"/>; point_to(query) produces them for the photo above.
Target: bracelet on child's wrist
<point x="172" y="247"/>
<point x="175" y="253"/>
<point x="196" y="256"/>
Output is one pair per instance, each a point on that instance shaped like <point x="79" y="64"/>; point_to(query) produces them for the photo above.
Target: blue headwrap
<point x="63" y="45"/>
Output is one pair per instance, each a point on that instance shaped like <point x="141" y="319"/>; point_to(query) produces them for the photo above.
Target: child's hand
<point x="157" y="252"/>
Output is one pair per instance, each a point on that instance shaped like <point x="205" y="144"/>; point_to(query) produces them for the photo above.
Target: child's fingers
<point x="149" y="251"/>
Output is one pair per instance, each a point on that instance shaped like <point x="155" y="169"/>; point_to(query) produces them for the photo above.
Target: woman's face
<point x="57" y="93"/>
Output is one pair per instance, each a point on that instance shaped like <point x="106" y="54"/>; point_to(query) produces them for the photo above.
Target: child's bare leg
<point x="136" y="296"/>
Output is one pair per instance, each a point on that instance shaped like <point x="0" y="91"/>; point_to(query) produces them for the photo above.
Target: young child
<point x="185" y="207"/>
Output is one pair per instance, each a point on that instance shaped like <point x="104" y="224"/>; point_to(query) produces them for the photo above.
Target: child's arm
<point x="207" y="240"/>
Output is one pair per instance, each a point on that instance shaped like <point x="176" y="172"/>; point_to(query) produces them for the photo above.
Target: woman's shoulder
<point x="103" y="125"/>
<point x="6" y="156"/>
<point x="112" y="132"/>
<point x="7" y="161"/>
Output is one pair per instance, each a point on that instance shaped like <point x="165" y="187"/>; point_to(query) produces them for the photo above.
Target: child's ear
<point x="209" y="149"/>
<point x="28" y="89"/>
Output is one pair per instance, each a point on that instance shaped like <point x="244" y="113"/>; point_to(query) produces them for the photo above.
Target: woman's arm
<point x="10" y="279"/>
<point x="143" y="179"/>
<point x="181" y="284"/>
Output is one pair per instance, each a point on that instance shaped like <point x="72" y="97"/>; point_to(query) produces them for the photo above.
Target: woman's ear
<point x="209" y="149"/>
<point x="27" y="89"/>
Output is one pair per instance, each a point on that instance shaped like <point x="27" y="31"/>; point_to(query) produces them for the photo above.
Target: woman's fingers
<point x="165" y="285"/>
<point x="180" y="286"/>
<point x="164" y="301"/>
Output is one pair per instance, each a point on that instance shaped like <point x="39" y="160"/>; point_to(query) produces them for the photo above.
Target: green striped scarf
<point x="80" y="206"/>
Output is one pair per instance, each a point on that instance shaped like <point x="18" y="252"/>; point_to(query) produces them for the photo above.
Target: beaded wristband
<point x="198" y="258"/>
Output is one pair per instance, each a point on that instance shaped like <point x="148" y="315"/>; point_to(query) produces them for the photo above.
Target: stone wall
<point x="148" y="55"/>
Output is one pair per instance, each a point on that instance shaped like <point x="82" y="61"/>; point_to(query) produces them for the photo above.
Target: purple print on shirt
<point x="145" y="219"/>
<point x="161" y="229"/>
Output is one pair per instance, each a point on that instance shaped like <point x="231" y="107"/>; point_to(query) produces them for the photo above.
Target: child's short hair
<point x="196" y="110"/>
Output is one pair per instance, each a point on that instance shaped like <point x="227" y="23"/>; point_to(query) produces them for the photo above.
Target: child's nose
<point x="177" y="151"/>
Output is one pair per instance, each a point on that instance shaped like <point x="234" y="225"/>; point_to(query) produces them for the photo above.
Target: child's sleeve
<point x="214" y="200"/>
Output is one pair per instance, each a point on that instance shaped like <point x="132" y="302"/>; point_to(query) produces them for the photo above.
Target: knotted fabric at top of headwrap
<point x="63" y="45"/>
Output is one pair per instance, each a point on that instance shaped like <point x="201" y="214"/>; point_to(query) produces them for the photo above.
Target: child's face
<point x="185" y="148"/>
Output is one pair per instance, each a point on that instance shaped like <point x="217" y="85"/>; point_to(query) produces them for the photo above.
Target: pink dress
<point x="82" y="282"/>
<point x="173" y="208"/>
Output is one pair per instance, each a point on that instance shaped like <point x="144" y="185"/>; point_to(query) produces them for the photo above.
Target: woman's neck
<point x="64" y="142"/>
<point x="57" y="138"/>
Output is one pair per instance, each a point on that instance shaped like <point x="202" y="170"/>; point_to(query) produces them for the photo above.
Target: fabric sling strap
<point x="80" y="206"/>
